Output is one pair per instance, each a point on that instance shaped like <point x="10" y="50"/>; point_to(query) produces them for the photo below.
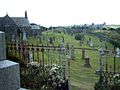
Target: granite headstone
<point x="2" y="46"/>
<point x="9" y="71"/>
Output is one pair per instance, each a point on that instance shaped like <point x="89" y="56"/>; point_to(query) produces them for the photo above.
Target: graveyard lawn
<point x="81" y="78"/>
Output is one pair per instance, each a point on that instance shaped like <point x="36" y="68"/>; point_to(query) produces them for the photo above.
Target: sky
<point x="63" y="12"/>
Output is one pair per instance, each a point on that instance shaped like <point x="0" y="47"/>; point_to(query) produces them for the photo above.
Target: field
<point x="81" y="78"/>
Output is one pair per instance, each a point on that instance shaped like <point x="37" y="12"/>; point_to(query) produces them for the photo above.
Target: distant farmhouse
<point x="14" y="27"/>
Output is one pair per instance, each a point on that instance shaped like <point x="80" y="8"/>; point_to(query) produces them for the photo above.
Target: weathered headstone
<point x="9" y="71"/>
<point x="87" y="62"/>
<point x="24" y="36"/>
<point x="90" y="42"/>
<point x="51" y="40"/>
<point x="13" y="38"/>
<point x="117" y="52"/>
<point x="2" y="46"/>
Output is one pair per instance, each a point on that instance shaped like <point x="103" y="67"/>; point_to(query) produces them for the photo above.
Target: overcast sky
<point x="63" y="12"/>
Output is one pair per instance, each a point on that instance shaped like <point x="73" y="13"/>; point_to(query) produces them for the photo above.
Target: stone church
<point x="15" y="28"/>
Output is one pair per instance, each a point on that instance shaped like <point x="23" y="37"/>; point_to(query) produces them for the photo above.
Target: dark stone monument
<point x="87" y="62"/>
<point x="2" y="46"/>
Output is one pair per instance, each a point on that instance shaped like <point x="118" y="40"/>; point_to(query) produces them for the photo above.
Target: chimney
<point x="26" y="15"/>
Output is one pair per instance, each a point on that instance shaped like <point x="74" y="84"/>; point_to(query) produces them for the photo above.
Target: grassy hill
<point x="81" y="78"/>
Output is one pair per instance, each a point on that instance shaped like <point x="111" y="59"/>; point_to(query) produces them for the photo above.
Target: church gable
<point x="7" y="22"/>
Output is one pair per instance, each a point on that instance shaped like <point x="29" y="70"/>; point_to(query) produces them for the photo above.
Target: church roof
<point x="19" y="21"/>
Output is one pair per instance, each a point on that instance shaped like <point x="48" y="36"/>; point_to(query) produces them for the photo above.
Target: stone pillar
<point x="9" y="71"/>
<point x="87" y="62"/>
<point x="2" y="46"/>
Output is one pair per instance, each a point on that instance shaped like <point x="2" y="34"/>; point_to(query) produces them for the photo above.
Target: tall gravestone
<point x="9" y="71"/>
<point x="2" y="46"/>
<point x="24" y="36"/>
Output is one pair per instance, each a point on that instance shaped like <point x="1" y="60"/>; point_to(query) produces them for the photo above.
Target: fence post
<point x="83" y="53"/>
<point x="33" y="53"/>
<point x="64" y="63"/>
<point x="69" y="73"/>
<point x="101" y="66"/>
<point x="106" y="54"/>
<point x="48" y="51"/>
<point x="37" y="53"/>
<point x="42" y="50"/>
<point x="73" y="53"/>
<point x="114" y="60"/>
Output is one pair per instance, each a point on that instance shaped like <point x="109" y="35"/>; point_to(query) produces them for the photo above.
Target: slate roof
<point x="19" y="21"/>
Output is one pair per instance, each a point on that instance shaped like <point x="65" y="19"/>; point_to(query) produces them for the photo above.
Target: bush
<point x="15" y="59"/>
<point x="79" y="37"/>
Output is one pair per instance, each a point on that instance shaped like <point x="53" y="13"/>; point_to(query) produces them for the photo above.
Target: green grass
<point x="81" y="77"/>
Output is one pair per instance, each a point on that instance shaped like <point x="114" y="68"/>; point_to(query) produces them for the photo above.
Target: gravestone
<point x="13" y="38"/>
<point x="117" y="52"/>
<point x="9" y="71"/>
<point x="51" y="40"/>
<point x="2" y="46"/>
<point x="24" y="36"/>
<point x="90" y="42"/>
<point x="87" y="62"/>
